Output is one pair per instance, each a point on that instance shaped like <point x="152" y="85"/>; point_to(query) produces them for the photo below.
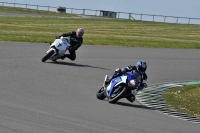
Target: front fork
<point x="105" y="86"/>
<point x="50" y="49"/>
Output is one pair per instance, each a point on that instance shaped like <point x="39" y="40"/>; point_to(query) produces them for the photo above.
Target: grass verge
<point x="184" y="99"/>
<point x="99" y="31"/>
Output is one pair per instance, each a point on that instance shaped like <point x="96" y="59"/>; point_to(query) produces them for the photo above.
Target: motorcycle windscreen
<point x="113" y="83"/>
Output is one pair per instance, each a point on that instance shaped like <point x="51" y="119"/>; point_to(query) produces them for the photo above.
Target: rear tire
<point x="100" y="94"/>
<point x="47" y="56"/>
<point x="118" y="96"/>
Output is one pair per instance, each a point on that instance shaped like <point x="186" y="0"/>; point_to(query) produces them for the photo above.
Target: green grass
<point x="184" y="99"/>
<point x="100" y="31"/>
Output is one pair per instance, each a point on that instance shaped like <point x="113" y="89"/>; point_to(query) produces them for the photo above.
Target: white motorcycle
<point x="57" y="49"/>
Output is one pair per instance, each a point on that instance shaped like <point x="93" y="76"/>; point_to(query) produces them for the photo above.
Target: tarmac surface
<point x="60" y="97"/>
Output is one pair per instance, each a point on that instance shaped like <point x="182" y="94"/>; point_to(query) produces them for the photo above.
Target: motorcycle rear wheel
<point x="47" y="56"/>
<point x="120" y="94"/>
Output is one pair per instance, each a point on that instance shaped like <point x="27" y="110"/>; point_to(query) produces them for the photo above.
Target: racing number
<point x="59" y="45"/>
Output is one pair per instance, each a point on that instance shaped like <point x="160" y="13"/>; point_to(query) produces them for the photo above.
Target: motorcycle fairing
<point x="134" y="76"/>
<point x="59" y="46"/>
<point x="115" y="82"/>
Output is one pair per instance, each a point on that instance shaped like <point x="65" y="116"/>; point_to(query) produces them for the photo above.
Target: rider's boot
<point x="131" y="97"/>
<point x="64" y="56"/>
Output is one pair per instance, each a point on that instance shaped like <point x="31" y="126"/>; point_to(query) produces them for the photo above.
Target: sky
<point x="180" y="8"/>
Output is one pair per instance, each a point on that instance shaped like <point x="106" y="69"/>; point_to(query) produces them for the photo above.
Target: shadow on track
<point x="75" y="64"/>
<point x="132" y="105"/>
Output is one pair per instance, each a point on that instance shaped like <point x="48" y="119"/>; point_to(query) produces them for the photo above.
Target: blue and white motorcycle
<point x="57" y="49"/>
<point x="119" y="87"/>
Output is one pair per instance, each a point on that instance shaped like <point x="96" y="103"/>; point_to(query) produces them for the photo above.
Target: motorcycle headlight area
<point x="132" y="82"/>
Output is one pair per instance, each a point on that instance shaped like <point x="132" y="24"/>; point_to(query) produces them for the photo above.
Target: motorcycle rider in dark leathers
<point x="75" y="40"/>
<point x="140" y="68"/>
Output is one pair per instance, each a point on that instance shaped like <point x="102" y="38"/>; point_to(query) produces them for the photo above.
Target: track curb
<point x="152" y="98"/>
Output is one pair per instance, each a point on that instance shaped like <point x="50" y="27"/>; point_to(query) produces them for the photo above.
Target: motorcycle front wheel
<point x="100" y="94"/>
<point x="47" y="56"/>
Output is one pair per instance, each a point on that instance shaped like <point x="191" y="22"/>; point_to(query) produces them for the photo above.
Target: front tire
<point x="118" y="95"/>
<point x="100" y="94"/>
<point x="47" y="56"/>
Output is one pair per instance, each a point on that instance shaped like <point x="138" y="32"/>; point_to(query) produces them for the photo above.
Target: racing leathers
<point x="125" y="70"/>
<point x="75" y="43"/>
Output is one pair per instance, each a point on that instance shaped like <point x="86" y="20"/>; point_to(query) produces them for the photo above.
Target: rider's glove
<point x="145" y="85"/>
<point x="130" y="67"/>
<point x="57" y="37"/>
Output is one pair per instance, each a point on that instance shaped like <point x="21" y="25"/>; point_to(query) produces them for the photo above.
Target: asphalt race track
<point x="60" y="97"/>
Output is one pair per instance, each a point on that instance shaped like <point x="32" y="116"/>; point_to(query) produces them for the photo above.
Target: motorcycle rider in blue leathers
<point x="140" y="68"/>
